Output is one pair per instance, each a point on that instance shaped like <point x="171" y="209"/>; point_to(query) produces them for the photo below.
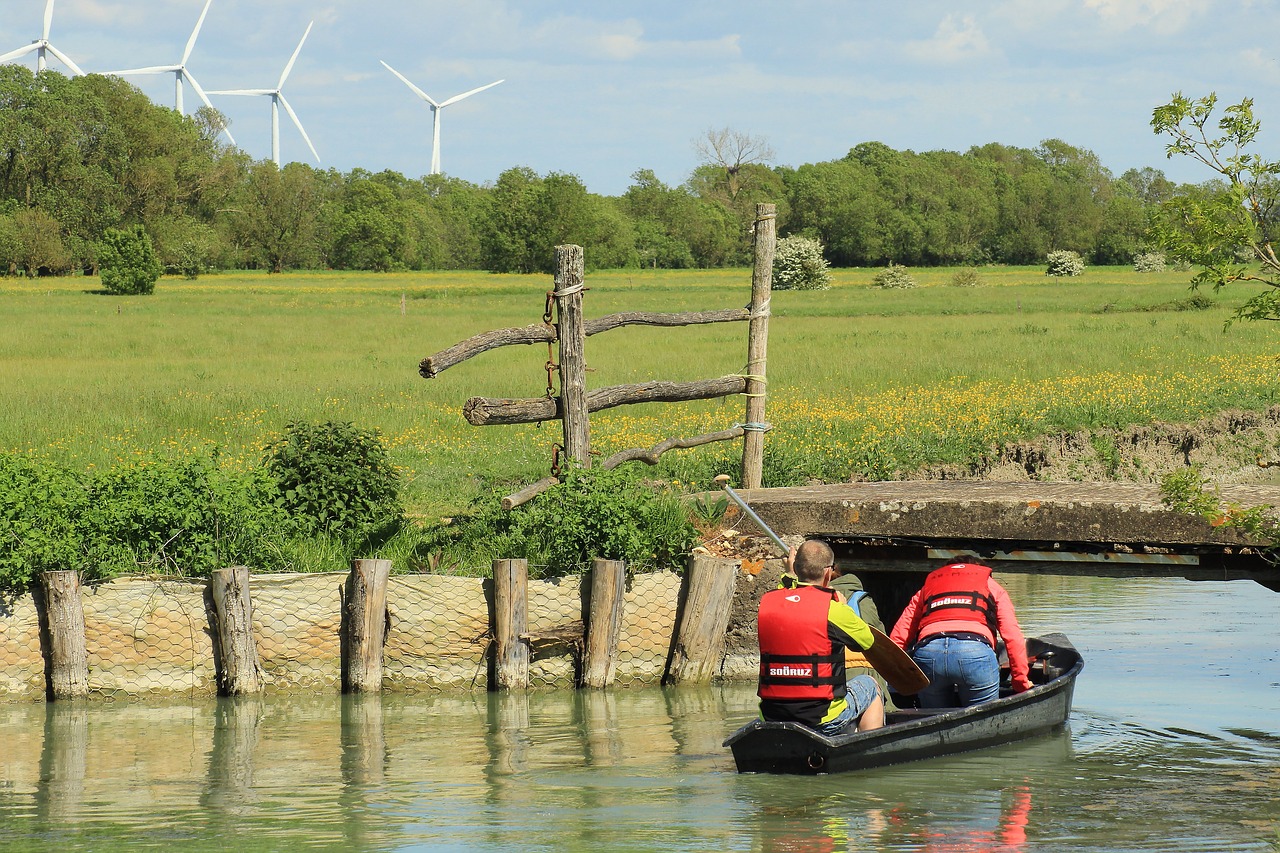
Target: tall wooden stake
<point x="241" y="672"/>
<point x="707" y="605"/>
<point x="570" y="330"/>
<point x="766" y="239"/>
<point x="64" y="614"/>
<point x="600" y="662"/>
<point x="366" y="625"/>
<point x="511" y="623"/>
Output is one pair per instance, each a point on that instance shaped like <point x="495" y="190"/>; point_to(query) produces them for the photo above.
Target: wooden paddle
<point x="885" y="656"/>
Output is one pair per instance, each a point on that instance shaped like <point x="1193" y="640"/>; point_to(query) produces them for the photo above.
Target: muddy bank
<point x="1231" y="447"/>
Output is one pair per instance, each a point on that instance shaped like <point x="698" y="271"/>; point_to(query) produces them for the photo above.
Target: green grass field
<point x="860" y="379"/>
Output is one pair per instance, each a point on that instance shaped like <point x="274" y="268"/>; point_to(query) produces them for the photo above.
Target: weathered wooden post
<point x="241" y="672"/>
<point x="600" y="661"/>
<point x="766" y="240"/>
<point x="64" y="616"/>
<point x="700" y="641"/>
<point x="366" y="625"/>
<point x="511" y="623"/>
<point x="570" y="329"/>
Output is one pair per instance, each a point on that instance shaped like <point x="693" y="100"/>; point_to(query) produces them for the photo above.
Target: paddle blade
<point x="895" y="665"/>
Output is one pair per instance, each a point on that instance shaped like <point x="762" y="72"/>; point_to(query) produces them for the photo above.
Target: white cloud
<point x="957" y="39"/>
<point x="623" y="41"/>
<point x="1163" y="16"/>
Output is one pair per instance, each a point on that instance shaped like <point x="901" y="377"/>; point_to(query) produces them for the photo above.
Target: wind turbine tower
<point x="180" y="72"/>
<point x="435" y="112"/>
<point x="42" y="45"/>
<point x="277" y="101"/>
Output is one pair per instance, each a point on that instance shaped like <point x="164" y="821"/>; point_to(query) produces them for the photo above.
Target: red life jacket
<point x="958" y="591"/>
<point x="797" y="658"/>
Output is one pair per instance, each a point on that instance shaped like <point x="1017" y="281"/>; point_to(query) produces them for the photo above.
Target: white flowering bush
<point x="895" y="276"/>
<point x="1149" y="262"/>
<point x="1063" y="262"/>
<point x="798" y="264"/>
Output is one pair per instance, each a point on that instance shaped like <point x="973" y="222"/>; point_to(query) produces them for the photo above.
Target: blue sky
<point x="601" y="89"/>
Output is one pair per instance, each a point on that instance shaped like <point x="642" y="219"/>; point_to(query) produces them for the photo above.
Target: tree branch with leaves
<point x="1225" y="227"/>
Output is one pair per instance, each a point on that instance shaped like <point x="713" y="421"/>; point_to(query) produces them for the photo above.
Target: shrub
<point x="798" y="264"/>
<point x="1063" y="262"/>
<point x="335" y="477"/>
<point x="1149" y="262"/>
<point x="894" y="276"/>
<point x="593" y="513"/>
<point x="965" y="278"/>
<point x="127" y="262"/>
<point x="40" y="505"/>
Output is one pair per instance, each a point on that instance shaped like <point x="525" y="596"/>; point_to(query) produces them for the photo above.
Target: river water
<point x="1173" y="745"/>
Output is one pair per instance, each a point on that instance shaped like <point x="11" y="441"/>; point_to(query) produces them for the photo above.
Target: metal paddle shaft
<point x="751" y="513"/>
<point x="897" y="667"/>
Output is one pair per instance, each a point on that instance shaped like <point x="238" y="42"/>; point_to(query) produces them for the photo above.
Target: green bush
<point x="40" y="507"/>
<point x="965" y="278"/>
<point x="1065" y="263"/>
<point x="127" y="262"/>
<point x="593" y="513"/>
<point x="798" y="264"/>
<point x="894" y="276"/>
<point x="335" y="477"/>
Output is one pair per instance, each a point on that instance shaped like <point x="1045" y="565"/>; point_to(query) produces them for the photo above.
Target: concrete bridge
<point x="1101" y="529"/>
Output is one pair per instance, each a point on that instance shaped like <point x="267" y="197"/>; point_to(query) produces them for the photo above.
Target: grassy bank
<point x="862" y="381"/>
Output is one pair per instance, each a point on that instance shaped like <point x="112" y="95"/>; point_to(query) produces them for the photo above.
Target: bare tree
<point x="730" y="150"/>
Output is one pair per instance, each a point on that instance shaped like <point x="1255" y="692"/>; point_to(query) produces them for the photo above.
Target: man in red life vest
<point x="950" y="627"/>
<point x="804" y="630"/>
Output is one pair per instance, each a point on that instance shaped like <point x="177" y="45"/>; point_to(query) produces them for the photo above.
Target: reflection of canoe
<point x="910" y="734"/>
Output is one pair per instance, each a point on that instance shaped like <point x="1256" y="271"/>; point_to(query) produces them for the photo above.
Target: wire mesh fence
<point x="156" y="635"/>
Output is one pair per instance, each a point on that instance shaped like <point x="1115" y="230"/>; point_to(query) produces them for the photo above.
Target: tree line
<point x="84" y="155"/>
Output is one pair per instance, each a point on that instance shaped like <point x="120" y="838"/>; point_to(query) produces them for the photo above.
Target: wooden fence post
<point x="571" y="331"/>
<point x="700" y="642"/>
<point x="64" y="616"/>
<point x="766" y="239"/>
<point x="366" y="625"/>
<point x="241" y="672"/>
<point x="600" y="661"/>
<point x="511" y="623"/>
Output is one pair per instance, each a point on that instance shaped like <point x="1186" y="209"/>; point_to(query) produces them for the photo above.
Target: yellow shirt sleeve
<point x="846" y="627"/>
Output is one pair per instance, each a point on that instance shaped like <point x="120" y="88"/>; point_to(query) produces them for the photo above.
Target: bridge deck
<point x="1004" y="517"/>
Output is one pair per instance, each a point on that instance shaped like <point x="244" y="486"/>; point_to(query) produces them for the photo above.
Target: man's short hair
<point x="813" y="557"/>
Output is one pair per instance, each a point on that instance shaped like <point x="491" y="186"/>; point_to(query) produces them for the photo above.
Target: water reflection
<point x="230" y="788"/>
<point x="63" y="760"/>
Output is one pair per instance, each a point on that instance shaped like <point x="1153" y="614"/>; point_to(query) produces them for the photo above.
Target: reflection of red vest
<point x="958" y="591"/>
<point x="797" y="658"/>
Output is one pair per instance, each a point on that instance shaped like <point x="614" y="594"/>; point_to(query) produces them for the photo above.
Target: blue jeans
<point x="961" y="672"/>
<point x="862" y="691"/>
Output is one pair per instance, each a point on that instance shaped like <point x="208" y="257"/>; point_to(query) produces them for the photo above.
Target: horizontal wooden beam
<point x="539" y="333"/>
<point x="650" y="456"/>
<point x="487" y="411"/>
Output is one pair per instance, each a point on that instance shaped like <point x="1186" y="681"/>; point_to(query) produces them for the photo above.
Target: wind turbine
<point x="43" y="45"/>
<point x="435" y="112"/>
<point x="179" y="71"/>
<point x="277" y="101"/>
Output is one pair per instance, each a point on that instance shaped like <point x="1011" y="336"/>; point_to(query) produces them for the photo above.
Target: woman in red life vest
<point x="950" y="628"/>
<point x="804" y="631"/>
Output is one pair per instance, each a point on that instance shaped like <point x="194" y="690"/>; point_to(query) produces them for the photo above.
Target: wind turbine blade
<point x="65" y="60"/>
<point x="22" y="51"/>
<point x="298" y="124"/>
<point x="150" y="69"/>
<point x="242" y="92"/>
<point x="204" y="97"/>
<point x="294" y="58"/>
<point x="48" y="18"/>
<point x="457" y="98"/>
<point x="191" y="42"/>
<point x="405" y="80"/>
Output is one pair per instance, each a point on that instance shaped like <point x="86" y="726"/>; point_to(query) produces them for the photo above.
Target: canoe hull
<point x="769" y="747"/>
